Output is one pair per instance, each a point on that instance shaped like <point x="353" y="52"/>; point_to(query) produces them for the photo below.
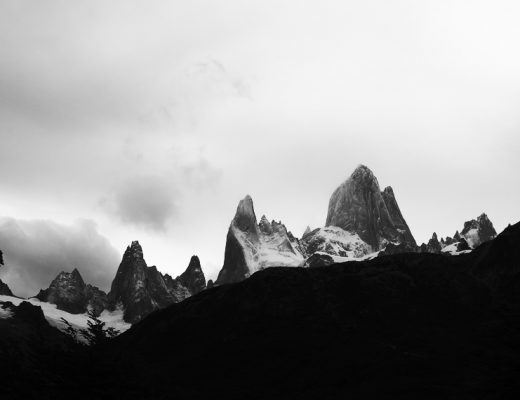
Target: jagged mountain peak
<point x="193" y="278"/>
<point x="70" y="293"/>
<point x="265" y="226"/>
<point x="245" y="218"/>
<point x="359" y="206"/>
<point x="194" y="263"/>
<point x="76" y="275"/>
<point x="363" y="172"/>
<point x="478" y="231"/>
<point x="141" y="289"/>
<point x="307" y="231"/>
<point x="134" y="250"/>
<point x="251" y="247"/>
<point x="389" y="190"/>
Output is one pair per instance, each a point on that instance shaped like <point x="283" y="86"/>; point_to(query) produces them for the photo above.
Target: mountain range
<point x="408" y="326"/>
<point x="362" y="222"/>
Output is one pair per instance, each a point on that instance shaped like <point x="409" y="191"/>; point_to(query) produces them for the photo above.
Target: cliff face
<point x="252" y="246"/>
<point x="193" y="278"/>
<point x="359" y="206"/>
<point x="70" y="293"/>
<point x="140" y="289"/>
<point x="478" y="231"/>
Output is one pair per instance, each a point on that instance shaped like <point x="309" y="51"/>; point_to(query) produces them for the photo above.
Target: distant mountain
<point x="475" y="232"/>
<point x="407" y="326"/>
<point x="478" y="231"/>
<point x="193" y="278"/>
<point x="136" y="288"/>
<point x="140" y="289"/>
<point x="359" y="206"/>
<point x="252" y="246"/>
<point x="335" y="242"/>
<point x="70" y="293"/>
<point x="362" y="220"/>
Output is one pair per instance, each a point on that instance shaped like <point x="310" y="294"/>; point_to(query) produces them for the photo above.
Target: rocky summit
<point x="140" y="289"/>
<point x="193" y="278"/>
<point x="359" y="206"/>
<point x="252" y="246"/>
<point x="70" y="293"/>
<point x="475" y="232"/>
<point x="478" y="231"/>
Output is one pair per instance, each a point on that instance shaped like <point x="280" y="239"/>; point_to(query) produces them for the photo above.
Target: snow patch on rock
<point x="112" y="319"/>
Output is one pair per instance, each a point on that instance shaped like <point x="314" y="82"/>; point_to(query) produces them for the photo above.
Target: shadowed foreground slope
<point x="414" y="326"/>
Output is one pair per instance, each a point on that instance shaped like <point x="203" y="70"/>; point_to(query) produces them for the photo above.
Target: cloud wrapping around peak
<point x="36" y="251"/>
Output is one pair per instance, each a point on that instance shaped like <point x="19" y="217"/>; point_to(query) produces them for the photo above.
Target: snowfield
<point x="452" y="249"/>
<point x="269" y="251"/>
<point x="337" y="242"/>
<point x="79" y="321"/>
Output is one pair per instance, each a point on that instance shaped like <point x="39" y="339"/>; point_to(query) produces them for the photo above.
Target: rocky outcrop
<point x="307" y="231"/>
<point x="193" y="278"/>
<point x="140" y="289"/>
<point x="433" y="245"/>
<point x="318" y="260"/>
<point x="4" y="289"/>
<point x="400" y="248"/>
<point x="252" y="246"/>
<point x="462" y="245"/>
<point x="359" y="206"/>
<point x="475" y="232"/>
<point x="478" y="231"/>
<point x="70" y="293"/>
<point x="335" y="241"/>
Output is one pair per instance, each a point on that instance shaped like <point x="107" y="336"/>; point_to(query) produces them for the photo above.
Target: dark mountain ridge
<point x="406" y="326"/>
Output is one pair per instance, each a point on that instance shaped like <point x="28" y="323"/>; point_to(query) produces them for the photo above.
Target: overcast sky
<point x="150" y="120"/>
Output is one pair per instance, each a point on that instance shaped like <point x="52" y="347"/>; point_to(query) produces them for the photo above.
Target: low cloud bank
<point x="35" y="251"/>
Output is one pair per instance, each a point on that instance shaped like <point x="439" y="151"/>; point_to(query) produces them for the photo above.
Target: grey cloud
<point x="144" y="201"/>
<point x="149" y="199"/>
<point x="35" y="251"/>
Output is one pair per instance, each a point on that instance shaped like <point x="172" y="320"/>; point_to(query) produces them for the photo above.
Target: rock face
<point x="359" y="206"/>
<point x="478" y="231"/>
<point x="417" y="324"/>
<point x="140" y="289"/>
<point x="4" y="289"/>
<point x="433" y="245"/>
<point x="335" y="241"/>
<point x="70" y="293"/>
<point x="252" y="246"/>
<point x="193" y="278"/>
<point x="475" y="232"/>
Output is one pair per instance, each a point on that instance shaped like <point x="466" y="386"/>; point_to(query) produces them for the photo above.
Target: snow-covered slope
<point x="253" y="246"/>
<point x="453" y="249"/>
<point x="53" y="315"/>
<point x="270" y="249"/>
<point x="335" y="242"/>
